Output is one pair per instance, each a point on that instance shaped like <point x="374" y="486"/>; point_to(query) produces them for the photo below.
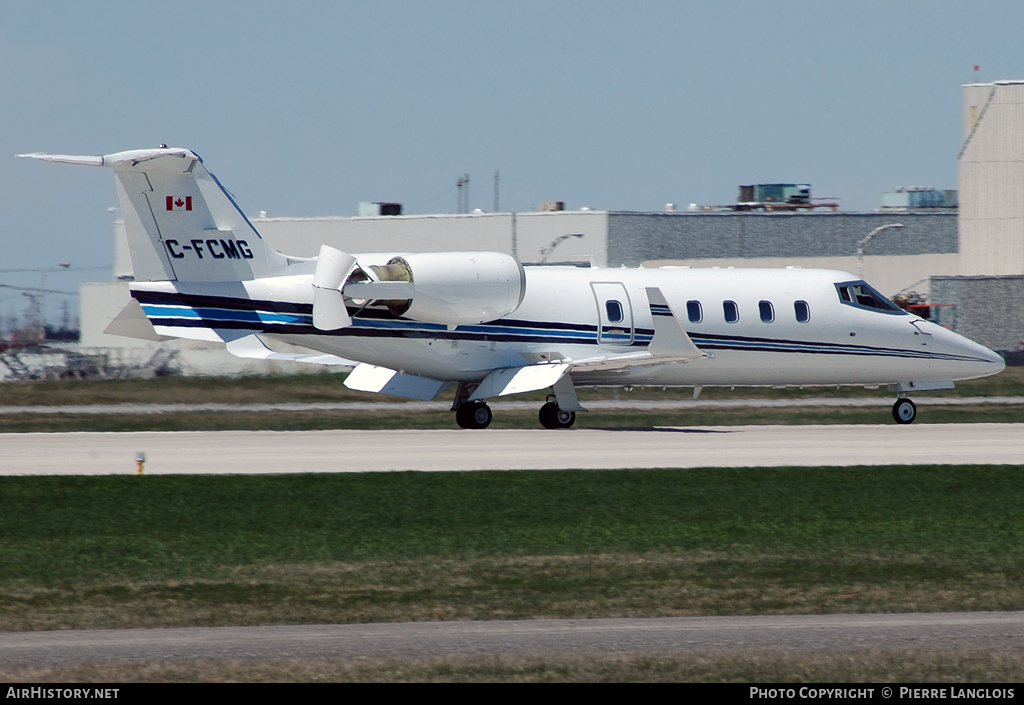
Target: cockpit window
<point x="860" y="295"/>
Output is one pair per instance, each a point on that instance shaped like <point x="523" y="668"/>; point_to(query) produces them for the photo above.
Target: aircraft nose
<point x="998" y="364"/>
<point x="988" y="362"/>
<point x="972" y="359"/>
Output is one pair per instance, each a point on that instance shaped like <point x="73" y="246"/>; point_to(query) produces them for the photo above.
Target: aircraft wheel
<point x="474" y="415"/>
<point x="566" y="418"/>
<point x="551" y="416"/>
<point x="904" y="411"/>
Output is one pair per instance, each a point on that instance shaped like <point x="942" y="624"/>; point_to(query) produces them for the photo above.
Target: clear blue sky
<point x="305" y="108"/>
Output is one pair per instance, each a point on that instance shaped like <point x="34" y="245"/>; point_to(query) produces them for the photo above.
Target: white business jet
<point x="417" y="324"/>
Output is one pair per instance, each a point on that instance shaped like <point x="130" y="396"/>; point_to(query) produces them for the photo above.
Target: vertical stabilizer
<point x="180" y="223"/>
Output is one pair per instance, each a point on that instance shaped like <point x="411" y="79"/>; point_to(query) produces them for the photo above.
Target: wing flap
<point x="515" y="380"/>
<point x="381" y="380"/>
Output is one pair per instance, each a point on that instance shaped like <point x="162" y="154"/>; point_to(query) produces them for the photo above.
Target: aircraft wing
<point x="671" y="342"/>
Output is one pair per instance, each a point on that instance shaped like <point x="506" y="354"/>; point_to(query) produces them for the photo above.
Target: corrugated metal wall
<point x="989" y="310"/>
<point x="637" y="237"/>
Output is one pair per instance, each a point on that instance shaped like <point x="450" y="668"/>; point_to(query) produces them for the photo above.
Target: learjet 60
<point x="415" y="324"/>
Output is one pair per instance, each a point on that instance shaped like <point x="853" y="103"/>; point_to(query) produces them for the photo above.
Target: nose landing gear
<point x="904" y="411"/>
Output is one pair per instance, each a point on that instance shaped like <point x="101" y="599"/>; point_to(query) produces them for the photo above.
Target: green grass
<point x="176" y="551"/>
<point x="167" y="523"/>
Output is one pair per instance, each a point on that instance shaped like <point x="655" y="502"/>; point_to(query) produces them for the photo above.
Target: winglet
<point x="670" y="339"/>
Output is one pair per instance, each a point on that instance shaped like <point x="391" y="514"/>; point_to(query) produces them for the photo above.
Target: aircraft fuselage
<point x="758" y="326"/>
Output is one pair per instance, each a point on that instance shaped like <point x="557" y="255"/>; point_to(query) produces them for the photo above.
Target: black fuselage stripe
<point x="710" y="342"/>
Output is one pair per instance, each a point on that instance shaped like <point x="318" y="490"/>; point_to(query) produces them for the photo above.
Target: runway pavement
<point x="542" y="637"/>
<point x="513" y="449"/>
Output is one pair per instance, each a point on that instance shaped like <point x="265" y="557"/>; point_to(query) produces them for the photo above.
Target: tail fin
<point x="180" y="222"/>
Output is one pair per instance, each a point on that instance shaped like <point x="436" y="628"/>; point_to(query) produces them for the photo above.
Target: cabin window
<point x="693" y="310"/>
<point x="803" y="311"/>
<point x="859" y="294"/>
<point x="614" y="310"/>
<point x="766" y="310"/>
<point x="732" y="312"/>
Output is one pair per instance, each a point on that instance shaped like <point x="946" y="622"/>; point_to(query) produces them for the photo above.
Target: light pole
<point x="860" y="245"/>
<point x="41" y="322"/>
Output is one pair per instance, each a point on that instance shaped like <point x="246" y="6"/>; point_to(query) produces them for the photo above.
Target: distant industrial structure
<point x="903" y="199"/>
<point x="958" y="256"/>
<point x="781" y="197"/>
<point x="987" y="292"/>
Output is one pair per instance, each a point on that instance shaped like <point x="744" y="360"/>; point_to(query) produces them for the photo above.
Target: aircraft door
<point x="614" y="313"/>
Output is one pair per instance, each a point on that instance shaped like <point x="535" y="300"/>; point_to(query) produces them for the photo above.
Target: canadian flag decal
<point x="179" y="203"/>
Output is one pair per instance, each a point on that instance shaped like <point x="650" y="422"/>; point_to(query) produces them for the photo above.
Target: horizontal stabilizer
<point x="381" y="380"/>
<point x="252" y="347"/>
<point x="514" y="380"/>
<point x="65" y="158"/>
<point x="670" y="339"/>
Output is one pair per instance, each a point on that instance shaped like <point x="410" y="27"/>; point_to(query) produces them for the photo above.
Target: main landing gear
<point x="474" y="414"/>
<point x="904" y="411"/>
<point x="551" y="416"/>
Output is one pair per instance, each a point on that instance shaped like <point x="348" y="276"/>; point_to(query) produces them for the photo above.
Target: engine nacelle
<point x="455" y="288"/>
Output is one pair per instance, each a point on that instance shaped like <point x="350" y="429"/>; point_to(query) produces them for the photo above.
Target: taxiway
<point x="765" y="633"/>
<point x="511" y="449"/>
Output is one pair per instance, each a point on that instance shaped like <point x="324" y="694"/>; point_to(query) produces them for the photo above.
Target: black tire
<point x="548" y="415"/>
<point x="551" y="416"/>
<point x="474" y="415"/>
<point x="904" y="411"/>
